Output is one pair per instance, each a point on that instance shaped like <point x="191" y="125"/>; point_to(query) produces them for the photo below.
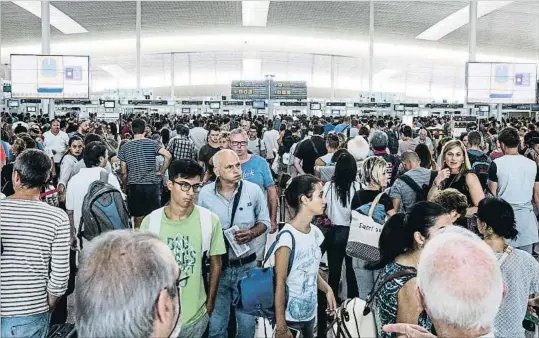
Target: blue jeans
<point x="34" y="326"/>
<point x="226" y="292"/>
<point x="306" y="328"/>
<point x="365" y="278"/>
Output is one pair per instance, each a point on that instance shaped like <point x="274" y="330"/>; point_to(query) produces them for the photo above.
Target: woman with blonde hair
<point x="455" y="173"/>
<point x="374" y="180"/>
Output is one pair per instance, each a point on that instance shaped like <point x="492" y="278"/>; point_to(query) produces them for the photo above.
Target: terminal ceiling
<point x="512" y="30"/>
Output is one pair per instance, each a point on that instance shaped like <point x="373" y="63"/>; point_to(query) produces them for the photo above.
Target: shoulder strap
<point x="235" y="204"/>
<point x="314" y="147"/>
<point x="375" y="290"/>
<point x="104" y="176"/>
<point x="156" y="217"/>
<point x="433" y="175"/>
<point x="292" y="251"/>
<point x="411" y="183"/>
<point x="206" y="227"/>
<point x="374" y="203"/>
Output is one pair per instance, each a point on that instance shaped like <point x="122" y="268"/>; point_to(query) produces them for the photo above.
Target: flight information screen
<point x="501" y="82"/>
<point x="50" y="76"/>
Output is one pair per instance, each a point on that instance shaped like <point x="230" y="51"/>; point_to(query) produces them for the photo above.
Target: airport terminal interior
<point x="246" y="169"/>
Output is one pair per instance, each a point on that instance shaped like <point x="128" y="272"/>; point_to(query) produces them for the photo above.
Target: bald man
<point x="240" y="204"/>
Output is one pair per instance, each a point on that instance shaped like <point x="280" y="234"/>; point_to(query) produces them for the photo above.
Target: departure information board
<point x="249" y="90"/>
<point x="283" y="90"/>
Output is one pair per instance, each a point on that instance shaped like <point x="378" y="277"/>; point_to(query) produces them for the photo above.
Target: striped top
<point x="139" y="155"/>
<point x="34" y="235"/>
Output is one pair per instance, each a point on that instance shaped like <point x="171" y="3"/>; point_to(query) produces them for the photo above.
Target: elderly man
<point x="111" y="272"/>
<point x="240" y="204"/>
<point x="459" y="285"/>
<point x="56" y="142"/>
<point x="424" y="138"/>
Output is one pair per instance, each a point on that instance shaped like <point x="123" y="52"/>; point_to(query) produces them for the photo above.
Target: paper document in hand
<point x="239" y="249"/>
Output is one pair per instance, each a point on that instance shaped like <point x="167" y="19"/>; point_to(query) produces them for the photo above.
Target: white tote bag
<point x="364" y="235"/>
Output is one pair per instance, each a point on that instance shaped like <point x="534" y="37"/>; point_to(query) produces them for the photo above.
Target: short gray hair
<point x="460" y="280"/>
<point x="121" y="274"/>
<point x="378" y="140"/>
<point x="239" y="131"/>
<point x="34" y="168"/>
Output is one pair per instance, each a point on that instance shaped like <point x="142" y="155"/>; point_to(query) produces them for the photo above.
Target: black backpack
<point x="103" y="209"/>
<point x="392" y="142"/>
<point x="421" y="192"/>
<point x="480" y="166"/>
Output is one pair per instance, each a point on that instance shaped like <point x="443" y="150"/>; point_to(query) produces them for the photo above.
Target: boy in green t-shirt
<point x="180" y="226"/>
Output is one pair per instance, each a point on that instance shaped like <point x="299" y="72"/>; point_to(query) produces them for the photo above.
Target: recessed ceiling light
<point x="255" y="13"/>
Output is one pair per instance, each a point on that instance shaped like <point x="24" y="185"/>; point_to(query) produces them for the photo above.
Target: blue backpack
<point x="374" y="210"/>
<point x="256" y="291"/>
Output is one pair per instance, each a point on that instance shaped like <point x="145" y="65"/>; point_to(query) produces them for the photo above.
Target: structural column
<point x="332" y="77"/>
<point x="172" y="75"/>
<point x="47" y="104"/>
<point x="371" y="48"/>
<point x="472" y="39"/>
<point x="137" y="29"/>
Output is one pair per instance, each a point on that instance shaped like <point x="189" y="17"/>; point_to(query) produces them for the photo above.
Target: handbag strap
<point x="374" y="203"/>
<point x="235" y="204"/>
<point x="375" y="290"/>
<point x="506" y="253"/>
<point x="292" y="250"/>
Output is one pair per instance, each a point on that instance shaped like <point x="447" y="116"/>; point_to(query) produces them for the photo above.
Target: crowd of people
<point x="206" y="196"/>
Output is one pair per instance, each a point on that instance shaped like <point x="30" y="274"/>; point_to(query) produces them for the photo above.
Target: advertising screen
<point x="50" y="76"/>
<point x="399" y="107"/>
<point x="259" y="104"/>
<point x="215" y="105"/>
<point x="186" y="110"/>
<point x="30" y="109"/>
<point x="501" y="82"/>
<point x="316" y="106"/>
<point x="110" y="104"/>
<point x="13" y="103"/>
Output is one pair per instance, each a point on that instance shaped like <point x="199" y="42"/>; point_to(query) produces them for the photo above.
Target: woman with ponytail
<point x="401" y="242"/>
<point x="520" y="271"/>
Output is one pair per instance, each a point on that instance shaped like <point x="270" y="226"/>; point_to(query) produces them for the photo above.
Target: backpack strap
<point x="292" y="251"/>
<point x="411" y="183"/>
<point x="156" y="217"/>
<point x="374" y="203"/>
<point x="206" y="227"/>
<point x="433" y="175"/>
<point x="104" y="176"/>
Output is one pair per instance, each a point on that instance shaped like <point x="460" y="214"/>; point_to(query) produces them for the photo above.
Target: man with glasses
<point x="194" y="234"/>
<point x="112" y="273"/>
<point x="238" y="203"/>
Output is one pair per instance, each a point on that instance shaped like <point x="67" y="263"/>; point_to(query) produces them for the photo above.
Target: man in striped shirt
<point x="139" y="175"/>
<point x="35" y="259"/>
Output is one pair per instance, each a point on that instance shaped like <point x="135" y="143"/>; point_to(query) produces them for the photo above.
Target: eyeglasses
<point x="184" y="186"/>
<point x="239" y="143"/>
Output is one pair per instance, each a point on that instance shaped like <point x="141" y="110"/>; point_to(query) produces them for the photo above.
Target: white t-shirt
<point x="57" y="143"/>
<point x="337" y="213"/>
<point x="77" y="187"/>
<point x="270" y="138"/>
<point x="198" y="135"/>
<point x="302" y="282"/>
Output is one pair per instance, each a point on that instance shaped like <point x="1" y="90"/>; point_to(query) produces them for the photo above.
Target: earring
<point x="421" y="246"/>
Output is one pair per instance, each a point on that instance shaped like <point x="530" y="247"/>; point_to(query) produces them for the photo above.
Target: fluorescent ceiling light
<point x="59" y="20"/>
<point x="255" y="13"/>
<point x="459" y="19"/>
<point x="116" y="71"/>
<point x="385" y="74"/>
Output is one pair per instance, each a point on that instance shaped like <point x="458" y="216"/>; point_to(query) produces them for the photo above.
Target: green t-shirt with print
<point x="184" y="239"/>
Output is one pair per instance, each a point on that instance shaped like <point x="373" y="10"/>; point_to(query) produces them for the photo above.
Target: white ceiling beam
<point x="385" y="74"/>
<point x="459" y="19"/>
<point x="59" y="19"/>
<point x="255" y="13"/>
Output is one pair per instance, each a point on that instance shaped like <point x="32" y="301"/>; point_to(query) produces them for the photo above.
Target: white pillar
<point x="137" y="29"/>
<point x="472" y="39"/>
<point x="47" y="104"/>
<point x="371" y="48"/>
<point x="333" y="77"/>
<point x="172" y="75"/>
